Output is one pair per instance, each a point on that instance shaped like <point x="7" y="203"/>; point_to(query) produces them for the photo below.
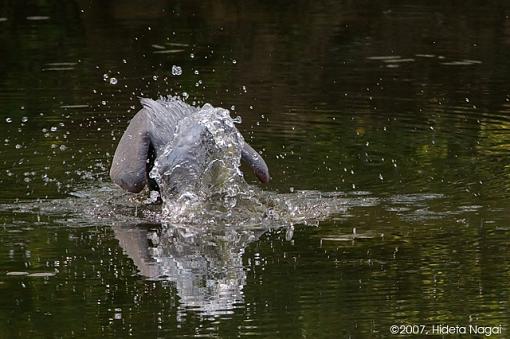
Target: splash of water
<point x="200" y="164"/>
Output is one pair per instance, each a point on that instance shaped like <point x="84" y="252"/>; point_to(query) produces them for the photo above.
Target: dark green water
<point x="404" y="103"/>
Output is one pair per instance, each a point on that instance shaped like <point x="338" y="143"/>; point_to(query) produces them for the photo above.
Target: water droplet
<point x="234" y="61"/>
<point x="8" y="120"/>
<point x="467" y="99"/>
<point x="103" y="103"/>
<point x="18" y="146"/>
<point x="192" y="56"/>
<point x="53" y="129"/>
<point x="24" y="119"/>
<point x="105" y="77"/>
<point x="185" y="95"/>
<point x="154" y="77"/>
<point x="176" y="70"/>
<point x="113" y="81"/>
<point x="124" y="61"/>
<point x="196" y="72"/>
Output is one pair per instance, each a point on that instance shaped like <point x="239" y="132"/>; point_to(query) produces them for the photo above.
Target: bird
<point x="168" y="137"/>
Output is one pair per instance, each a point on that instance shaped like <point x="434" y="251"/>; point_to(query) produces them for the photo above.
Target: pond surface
<point x="387" y="124"/>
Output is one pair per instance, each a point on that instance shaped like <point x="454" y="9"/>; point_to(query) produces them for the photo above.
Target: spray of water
<point x="200" y="165"/>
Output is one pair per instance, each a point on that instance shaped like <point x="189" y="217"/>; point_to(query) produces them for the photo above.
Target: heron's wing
<point x="153" y="125"/>
<point x="129" y="162"/>
<point x="256" y="163"/>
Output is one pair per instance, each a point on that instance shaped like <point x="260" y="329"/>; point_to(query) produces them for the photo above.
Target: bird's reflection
<point x="204" y="263"/>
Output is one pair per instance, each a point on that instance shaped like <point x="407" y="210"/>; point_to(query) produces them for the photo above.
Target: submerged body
<point x="176" y="148"/>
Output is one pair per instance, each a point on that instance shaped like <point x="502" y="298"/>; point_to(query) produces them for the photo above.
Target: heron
<point x="172" y="140"/>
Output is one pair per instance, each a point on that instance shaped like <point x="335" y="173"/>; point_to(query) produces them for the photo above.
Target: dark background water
<point x="406" y="101"/>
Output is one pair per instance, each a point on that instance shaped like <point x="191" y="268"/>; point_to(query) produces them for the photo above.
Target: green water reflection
<point x="404" y="102"/>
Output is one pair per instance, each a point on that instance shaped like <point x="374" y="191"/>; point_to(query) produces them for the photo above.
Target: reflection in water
<point x="204" y="263"/>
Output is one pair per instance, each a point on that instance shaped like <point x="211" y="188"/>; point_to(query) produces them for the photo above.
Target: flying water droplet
<point x="176" y="70"/>
<point x="113" y="81"/>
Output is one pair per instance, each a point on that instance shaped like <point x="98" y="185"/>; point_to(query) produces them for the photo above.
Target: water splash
<point x="200" y="163"/>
